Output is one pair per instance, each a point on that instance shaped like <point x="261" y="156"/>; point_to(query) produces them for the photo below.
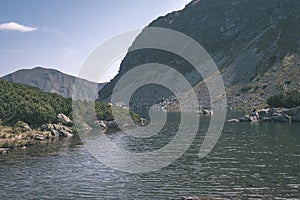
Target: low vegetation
<point x="287" y="99"/>
<point x="29" y="104"/>
<point x="35" y="107"/>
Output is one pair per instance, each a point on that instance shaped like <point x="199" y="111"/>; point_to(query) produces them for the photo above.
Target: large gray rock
<point x="61" y="118"/>
<point x="292" y="111"/>
<point x="281" y="118"/>
<point x="296" y="118"/>
<point x="102" y="125"/>
<point x="40" y="137"/>
<point x="64" y="133"/>
<point x="54" y="133"/>
<point x="265" y="113"/>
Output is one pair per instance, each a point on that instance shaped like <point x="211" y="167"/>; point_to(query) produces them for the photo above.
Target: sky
<point x="60" y="34"/>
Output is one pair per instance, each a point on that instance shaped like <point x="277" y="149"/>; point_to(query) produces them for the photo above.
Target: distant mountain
<point x="255" y="44"/>
<point x="49" y="80"/>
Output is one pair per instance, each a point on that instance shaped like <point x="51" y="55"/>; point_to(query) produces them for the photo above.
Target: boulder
<point x="143" y="121"/>
<point x="296" y="118"/>
<point x="64" y="133"/>
<point x="233" y="120"/>
<point x="61" y="118"/>
<point x="264" y="113"/>
<point x="54" y="133"/>
<point x="281" y="118"/>
<point x="40" y="137"/>
<point x="57" y="127"/>
<point x="102" y="125"/>
<point x="293" y="111"/>
<point x="245" y="119"/>
<point x="207" y="112"/>
<point x="21" y="126"/>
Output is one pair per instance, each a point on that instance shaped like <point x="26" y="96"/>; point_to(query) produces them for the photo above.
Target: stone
<point x="207" y="112"/>
<point x="245" y="119"/>
<point x="46" y="127"/>
<point x="40" y="137"/>
<point x="57" y="127"/>
<point x="21" y="126"/>
<point x="264" y="113"/>
<point x="54" y="133"/>
<point x="64" y="119"/>
<point x="143" y="121"/>
<point x="233" y="120"/>
<point x="296" y="118"/>
<point x="102" y="125"/>
<point x="64" y="133"/>
<point x="293" y="111"/>
<point x="253" y="118"/>
<point x="281" y="118"/>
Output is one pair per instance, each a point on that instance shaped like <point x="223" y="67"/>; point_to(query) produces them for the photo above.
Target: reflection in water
<point x="249" y="161"/>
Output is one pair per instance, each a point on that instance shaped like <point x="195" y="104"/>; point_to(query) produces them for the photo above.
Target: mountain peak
<point x="48" y="80"/>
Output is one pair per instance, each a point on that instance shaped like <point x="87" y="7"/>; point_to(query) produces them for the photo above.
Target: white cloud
<point x="13" y="26"/>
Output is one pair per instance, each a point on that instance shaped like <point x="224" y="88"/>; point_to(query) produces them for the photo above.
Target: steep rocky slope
<point x="48" y="80"/>
<point x="249" y="40"/>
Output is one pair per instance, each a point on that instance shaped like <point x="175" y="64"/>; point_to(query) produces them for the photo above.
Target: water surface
<point x="249" y="161"/>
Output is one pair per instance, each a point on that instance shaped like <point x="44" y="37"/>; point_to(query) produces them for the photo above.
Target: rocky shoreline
<point x="282" y="115"/>
<point x="21" y="135"/>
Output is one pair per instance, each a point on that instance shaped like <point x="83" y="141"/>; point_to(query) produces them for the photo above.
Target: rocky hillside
<point x="255" y="44"/>
<point x="48" y="80"/>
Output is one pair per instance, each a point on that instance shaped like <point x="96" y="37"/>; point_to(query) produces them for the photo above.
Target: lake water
<point x="255" y="161"/>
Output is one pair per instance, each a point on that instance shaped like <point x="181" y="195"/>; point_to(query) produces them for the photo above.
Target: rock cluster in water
<point x="272" y="115"/>
<point x="21" y="135"/>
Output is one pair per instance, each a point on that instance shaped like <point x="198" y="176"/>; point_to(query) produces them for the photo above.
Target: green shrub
<point x="29" y="104"/>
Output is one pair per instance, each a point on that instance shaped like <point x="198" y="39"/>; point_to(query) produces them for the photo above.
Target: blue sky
<point x="61" y="34"/>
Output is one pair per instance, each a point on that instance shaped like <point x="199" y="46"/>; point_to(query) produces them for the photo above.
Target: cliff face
<point x="247" y="39"/>
<point x="48" y="80"/>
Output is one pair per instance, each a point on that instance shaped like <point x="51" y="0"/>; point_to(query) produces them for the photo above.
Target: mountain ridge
<point x="246" y="39"/>
<point x="49" y="80"/>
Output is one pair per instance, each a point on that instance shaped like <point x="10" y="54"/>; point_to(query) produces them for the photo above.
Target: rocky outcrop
<point x="61" y="129"/>
<point x="57" y="130"/>
<point x="61" y="118"/>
